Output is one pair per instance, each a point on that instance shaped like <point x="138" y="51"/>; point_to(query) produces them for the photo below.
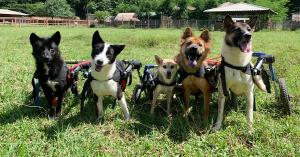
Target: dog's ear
<point x="117" y="49"/>
<point x="33" y="38"/>
<point x="228" y="22"/>
<point x="56" y="38"/>
<point x="158" y="60"/>
<point x="97" y="39"/>
<point x="205" y="36"/>
<point x="187" y="33"/>
<point x="252" y="22"/>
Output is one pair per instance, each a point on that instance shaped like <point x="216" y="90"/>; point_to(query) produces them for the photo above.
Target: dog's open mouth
<point x="98" y="67"/>
<point x="245" y="46"/>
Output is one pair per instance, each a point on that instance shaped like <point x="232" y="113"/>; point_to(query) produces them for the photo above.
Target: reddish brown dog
<point x="193" y="52"/>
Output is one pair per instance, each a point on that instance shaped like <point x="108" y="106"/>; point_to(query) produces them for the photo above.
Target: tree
<point x="278" y="6"/>
<point x="58" y="8"/>
<point x="102" y="15"/>
<point x="167" y="7"/>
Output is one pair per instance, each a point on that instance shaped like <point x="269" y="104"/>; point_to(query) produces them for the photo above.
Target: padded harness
<point x="248" y="69"/>
<point x="120" y="75"/>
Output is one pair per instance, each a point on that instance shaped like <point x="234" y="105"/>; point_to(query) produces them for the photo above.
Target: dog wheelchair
<point x="125" y="69"/>
<point x="72" y="79"/>
<point x="147" y="81"/>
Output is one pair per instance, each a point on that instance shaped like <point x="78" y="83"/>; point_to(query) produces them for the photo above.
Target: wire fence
<point x="198" y="24"/>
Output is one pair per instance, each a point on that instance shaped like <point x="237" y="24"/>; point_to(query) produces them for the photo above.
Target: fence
<point x="200" y="24"/>
<point x="42" y="21"/>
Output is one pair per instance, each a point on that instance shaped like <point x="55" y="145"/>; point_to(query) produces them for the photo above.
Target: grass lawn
<point x="25" y="131"/>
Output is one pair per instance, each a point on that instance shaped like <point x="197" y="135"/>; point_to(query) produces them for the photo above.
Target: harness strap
<point x="246" y="69"/>
<point x="183" y="74"/>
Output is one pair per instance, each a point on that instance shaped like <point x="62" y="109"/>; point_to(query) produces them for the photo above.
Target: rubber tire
<point x="284" y="96"/>
<point x="137" y="92"/>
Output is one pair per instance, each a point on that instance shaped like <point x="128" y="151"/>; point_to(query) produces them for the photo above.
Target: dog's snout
<point x="46" y="56"/>
<point x="247" y="36"/>
<point x="99" y="62"/>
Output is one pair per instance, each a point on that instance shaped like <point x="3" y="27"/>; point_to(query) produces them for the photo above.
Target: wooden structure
<point x="46" y="21"/>
<point x="240" y="11"/>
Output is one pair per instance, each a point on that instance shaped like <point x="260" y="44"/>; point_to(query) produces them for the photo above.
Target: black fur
<point x="98" y="46"/>
<point x="50" y="67"/>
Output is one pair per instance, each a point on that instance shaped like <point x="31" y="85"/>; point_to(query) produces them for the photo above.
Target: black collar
<point x="158" y="81"/>
<point x="245" y="69"/>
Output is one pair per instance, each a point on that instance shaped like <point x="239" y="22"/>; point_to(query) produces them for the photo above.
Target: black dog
<point x="51" y="71"/>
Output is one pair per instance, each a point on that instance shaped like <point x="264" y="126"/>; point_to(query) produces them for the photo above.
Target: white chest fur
<point x="105" y="88"/>
<point x="161" y="89"/>
<point x="104" y="85"/>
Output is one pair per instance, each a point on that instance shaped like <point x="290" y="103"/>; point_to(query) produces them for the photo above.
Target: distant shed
<point x="126" y="17"/>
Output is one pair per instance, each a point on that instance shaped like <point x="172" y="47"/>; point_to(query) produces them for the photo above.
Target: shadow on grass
<point x="16" y="112"/>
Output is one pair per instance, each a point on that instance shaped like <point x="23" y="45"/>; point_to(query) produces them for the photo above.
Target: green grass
<point x="26" y="132"/>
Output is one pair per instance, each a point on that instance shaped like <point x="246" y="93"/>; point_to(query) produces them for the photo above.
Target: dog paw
<point x="52" y="117"/>
<point x="187" y="112"/>
<point x="127" y="117"/>
<point x="216" y="128"/>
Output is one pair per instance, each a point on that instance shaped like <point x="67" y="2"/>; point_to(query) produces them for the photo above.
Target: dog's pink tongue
<point x="245" y="47"/>
<point x="192" y="63"/>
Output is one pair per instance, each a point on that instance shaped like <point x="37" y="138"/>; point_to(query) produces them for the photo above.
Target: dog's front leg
<point x="221" y="104"/>
<point x="99" y="107"/>
<point x="58" y="107"/>
<point x="124" y="107"/>
<point x="186" y="102"/>
<point x="170" y="95"/>
<point x="154" y="100"/>
<point x="49" y="97"/>
<point x="250" y="102"/>
<point x="207" y="99"/>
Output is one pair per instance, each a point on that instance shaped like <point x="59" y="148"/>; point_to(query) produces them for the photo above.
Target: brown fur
<point x="192" y="84"/>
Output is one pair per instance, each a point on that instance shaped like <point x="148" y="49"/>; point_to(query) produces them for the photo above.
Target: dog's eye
<point x="237" y="29"/>
<point x="164" y="66"/>
<point x="249" y="29"/>
<point x="52" y="51"/>
<point x="200" y="45"/>
<point x="172" y="66"/>
<point x="189" y="42"/>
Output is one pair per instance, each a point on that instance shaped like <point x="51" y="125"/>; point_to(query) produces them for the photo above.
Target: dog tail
<point x="260" y="83"/>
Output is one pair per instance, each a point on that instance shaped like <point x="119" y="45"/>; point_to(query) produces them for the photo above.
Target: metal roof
<point x="239" y="7"/>
<point x="126" y="17"/>
<point x="10" y="12"/>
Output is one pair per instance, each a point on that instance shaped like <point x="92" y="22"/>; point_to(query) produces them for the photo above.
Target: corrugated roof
<point x="239" y="7"/>
<point x="10" y="12"/>
<point x="126" y="17"/>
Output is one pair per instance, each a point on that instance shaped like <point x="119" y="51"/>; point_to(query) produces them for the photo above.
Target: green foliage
<point x="58" y="8"/>
<point x="102" y="15"/>
<point x="36" y="9"/>
<point x="278" y="6"/>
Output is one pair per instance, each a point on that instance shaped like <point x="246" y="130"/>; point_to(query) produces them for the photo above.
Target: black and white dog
<point x="103" y="69"/>
<point x="51" y="71"/>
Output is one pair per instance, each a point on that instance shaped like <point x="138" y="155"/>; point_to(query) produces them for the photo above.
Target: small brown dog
<point x="193" y="52"/>
<point x="165" y="81"/>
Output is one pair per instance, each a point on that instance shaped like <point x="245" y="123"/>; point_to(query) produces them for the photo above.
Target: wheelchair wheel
<point x="284" y="96"/>
<point x="137" y="92"/>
